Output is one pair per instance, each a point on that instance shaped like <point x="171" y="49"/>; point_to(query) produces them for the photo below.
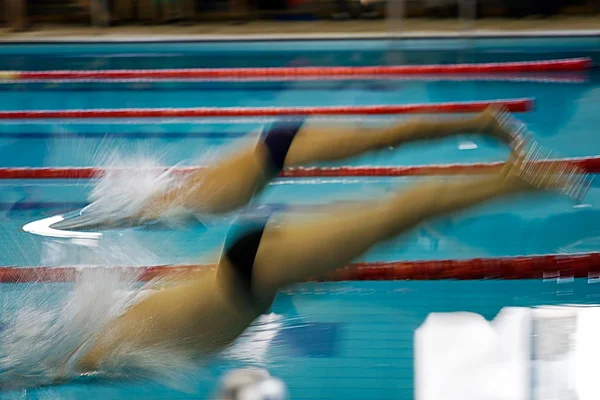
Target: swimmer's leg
<point x="298" y="250"/>
<point x="235" y="180"/>
<point x="328" y="142"/>
<point x="286" y="254"/>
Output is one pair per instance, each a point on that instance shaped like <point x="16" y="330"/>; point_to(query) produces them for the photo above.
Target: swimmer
<point x="262" y="255"/>
<point x="234" y="181"/>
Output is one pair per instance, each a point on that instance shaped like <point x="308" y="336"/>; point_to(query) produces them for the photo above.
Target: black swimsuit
<point x="278" y="139"/>
<point x="246" y="233"/>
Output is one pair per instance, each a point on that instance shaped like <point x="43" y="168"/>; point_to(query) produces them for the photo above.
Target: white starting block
<point x="541" y="353"/>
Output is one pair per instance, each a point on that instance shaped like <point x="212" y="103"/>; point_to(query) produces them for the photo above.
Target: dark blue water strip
<point x="124" y="135"/>
<point x="183" y="86"/>
<point x="41" y="205"/>
<point x="71" y="206"/>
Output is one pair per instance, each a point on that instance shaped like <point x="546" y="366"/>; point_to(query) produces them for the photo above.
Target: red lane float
<point x="548" y="77"/>
<point x="589" y="164"/>
<point x="513" y="105"/>
<point x="573" y="64"/>
<point x="534" y="267"/>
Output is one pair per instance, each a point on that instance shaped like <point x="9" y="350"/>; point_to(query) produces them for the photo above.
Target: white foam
<point x="123" y="193"/>
<point x="44" y="327"/>
<point x="133" y="180"/>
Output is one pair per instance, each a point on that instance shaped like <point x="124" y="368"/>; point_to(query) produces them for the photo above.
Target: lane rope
<point x="547" y="267"/>
<point x="589" y="164"/>
<point x="513" y="105"/>
<point x="141" y="84"/>
<point x="562" y="65"/>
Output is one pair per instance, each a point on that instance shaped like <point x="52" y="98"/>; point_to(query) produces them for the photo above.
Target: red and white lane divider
<point x="575" y="77"/>
<point x="563" y="65"/>
<point x="550" y="267"/>
<point x="589" y="164"/>
<point x="513" y="105"/>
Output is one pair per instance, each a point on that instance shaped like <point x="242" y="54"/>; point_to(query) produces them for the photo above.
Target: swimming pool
<point x="336" y="340"/>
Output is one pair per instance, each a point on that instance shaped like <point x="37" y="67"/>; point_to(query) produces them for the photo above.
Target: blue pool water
<point x="333" y="341"/>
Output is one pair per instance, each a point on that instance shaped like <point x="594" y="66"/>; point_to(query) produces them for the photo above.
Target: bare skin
<point x="232" y="182"/>
<point x="208" y="312"/>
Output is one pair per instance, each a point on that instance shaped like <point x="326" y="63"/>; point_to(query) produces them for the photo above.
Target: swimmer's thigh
<point x="297" y="250"/>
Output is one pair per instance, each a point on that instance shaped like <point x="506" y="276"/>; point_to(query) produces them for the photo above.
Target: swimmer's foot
<point x="531" y="167"/>
<point x="497" y="121"/>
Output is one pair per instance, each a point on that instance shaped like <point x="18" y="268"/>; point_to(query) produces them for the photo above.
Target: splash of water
<point x="132" y="181"/>
<point x="45" y="326"/>
<point x="121" y="194"/>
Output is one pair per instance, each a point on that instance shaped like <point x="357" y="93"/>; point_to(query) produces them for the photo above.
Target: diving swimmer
<point x="234" y="181"/>
<point x="265" y="253"/>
